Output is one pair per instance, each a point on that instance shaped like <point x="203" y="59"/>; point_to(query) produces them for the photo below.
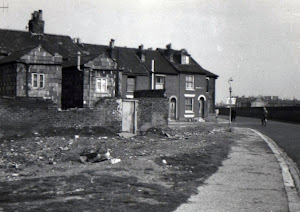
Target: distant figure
<point x="233" y="115"/>
<point x="217" y="113"/>
<point x="264" y="117"/>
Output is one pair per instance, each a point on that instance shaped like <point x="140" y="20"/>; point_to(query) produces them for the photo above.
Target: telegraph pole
<point x="230" y="90"/>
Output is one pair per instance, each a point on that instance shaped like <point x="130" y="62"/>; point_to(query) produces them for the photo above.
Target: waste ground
<point x="155" y="171"/>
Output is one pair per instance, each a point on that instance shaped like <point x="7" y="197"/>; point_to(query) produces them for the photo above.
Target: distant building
<point x="259" y="102"/>
<point x="265" y="101"/>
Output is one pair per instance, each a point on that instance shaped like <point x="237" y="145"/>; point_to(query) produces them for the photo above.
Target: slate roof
<point x="15" y="56"/>
<point x="193" y="67"/>
<point x="13" y="40"/>
<point x="72" y="61"/>
<point x="127" y="58"/>
<point x="161" y="65"/>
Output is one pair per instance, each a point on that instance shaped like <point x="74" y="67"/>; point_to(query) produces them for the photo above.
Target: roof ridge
<point x="22" y="31"/>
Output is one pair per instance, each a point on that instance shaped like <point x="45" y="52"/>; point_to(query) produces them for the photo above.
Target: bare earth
<point x="157" y="171"/>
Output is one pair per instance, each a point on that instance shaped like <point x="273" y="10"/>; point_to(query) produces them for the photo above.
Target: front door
<point x="128" y="119"/>
<point x="201" y="108"/>
<point x="172" y="109"/>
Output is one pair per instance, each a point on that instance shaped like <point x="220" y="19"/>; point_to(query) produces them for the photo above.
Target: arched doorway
<point x="172" y="109"/>
<point x="201" y="100"/>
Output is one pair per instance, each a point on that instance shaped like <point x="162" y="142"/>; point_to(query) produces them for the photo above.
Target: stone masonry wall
<point x="8" y="75"/>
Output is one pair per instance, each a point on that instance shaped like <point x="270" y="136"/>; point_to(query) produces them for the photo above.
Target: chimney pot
<point x="112" y="43"/>
<point x="169" y="46"/>
<point x="40" y="15"/>
<point x="36" y="24"/>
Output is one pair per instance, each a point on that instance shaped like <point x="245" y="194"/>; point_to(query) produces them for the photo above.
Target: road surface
<point x="286" y="135"/>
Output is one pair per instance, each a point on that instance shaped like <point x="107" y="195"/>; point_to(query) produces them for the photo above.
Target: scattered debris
<point x="102" y="154"/>
<point x="115" y="160"/>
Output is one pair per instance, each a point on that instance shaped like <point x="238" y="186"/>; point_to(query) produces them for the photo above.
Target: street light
<point x="230" y="90"/>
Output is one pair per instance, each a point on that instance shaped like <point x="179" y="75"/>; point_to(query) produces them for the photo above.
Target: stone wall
<point x="8" y="76"/>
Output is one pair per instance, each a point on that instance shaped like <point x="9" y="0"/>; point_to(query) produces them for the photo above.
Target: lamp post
<point x="230" y="90"/>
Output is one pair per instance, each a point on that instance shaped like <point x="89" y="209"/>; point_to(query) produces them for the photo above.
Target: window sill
<point x="189" y="89"/>
<point x="37" y="88"/>
<point x="102" y="92"/>
<point x="189" y="111"/>
<point x="189" y="115"/>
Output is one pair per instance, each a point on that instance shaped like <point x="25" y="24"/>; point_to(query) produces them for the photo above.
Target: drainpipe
<point x="152" y="78"/>
<point x="179" y="98"/>
<point x="117" y="92"/>
<point x="27" y="87"/>
<point x="78" y="60"/>
<point x="90" y="81"/>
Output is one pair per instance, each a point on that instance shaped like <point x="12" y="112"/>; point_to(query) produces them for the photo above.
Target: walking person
<point x="264" y="117"/>
<point x="217" y="113"/>
<point x="233" y="115"/>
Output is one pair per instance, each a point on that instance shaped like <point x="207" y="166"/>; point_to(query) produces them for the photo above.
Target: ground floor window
<point x="38" y="80"/>
<point x="101" y="85"/>
<point x="189" y="102"/>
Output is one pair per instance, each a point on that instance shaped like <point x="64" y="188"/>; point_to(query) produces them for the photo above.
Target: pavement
<point x="257" y="176"/>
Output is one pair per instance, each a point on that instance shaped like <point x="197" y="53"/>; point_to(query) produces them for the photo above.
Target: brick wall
<point x="35" y="113"/>
<point x="152" y="112"/>
<point x="27" y="113"/>
<point x="32" y="114"/>
<point x="211" y="95"/>
<point x="106" y="112"/>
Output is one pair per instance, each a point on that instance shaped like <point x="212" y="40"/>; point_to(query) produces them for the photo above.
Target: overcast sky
<point x="256" y="42"/>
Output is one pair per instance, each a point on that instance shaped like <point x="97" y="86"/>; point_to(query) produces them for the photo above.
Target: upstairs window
<point x="159" y="82"/>
<point x="101" y="85"/>
<point x="38" y="80"/>
<point x="189" y="82"/>
<point x="185" y="59"/>
<point x="207" y="84"/>
<point x="130" y="84"/>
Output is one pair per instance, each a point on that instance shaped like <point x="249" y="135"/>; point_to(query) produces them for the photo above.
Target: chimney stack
<point x="111" y="49"/>
<point x="141" y="53"/>
<point x="170" y="52"/>
<point x="36" y="24"/>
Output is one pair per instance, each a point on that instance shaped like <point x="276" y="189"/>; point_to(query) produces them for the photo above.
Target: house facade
<point x="189" y="87"/>
<point x="32" y="73"/>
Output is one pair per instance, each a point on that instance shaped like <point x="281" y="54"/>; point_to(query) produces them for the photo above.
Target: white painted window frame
<point x="160" y="84"/>
<point x="186" y="82"/>
<point x="185" y="60"/>
<point x="99" y="89"/>
<point x="189" y="111"/>
<point x="40" y="78"/>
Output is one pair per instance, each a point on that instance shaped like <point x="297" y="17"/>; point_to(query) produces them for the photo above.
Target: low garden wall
<point x="33" y="114"/>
